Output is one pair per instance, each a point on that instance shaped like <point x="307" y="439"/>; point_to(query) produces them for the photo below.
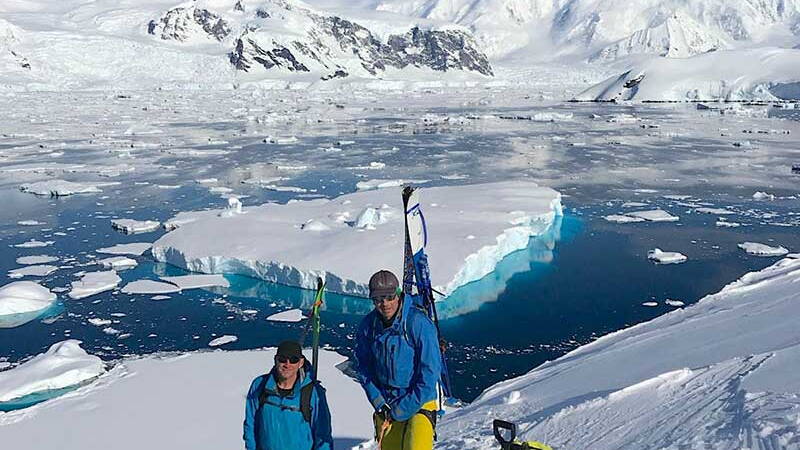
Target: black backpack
<point x="305" y="398"/>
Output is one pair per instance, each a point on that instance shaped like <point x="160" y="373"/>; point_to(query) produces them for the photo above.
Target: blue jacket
<point x="400" y="365"/>
<point x="279" y="424"/>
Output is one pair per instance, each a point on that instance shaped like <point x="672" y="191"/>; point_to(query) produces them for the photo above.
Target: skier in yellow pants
<point x="398" y="361"/>
<point x="415" y="433"/>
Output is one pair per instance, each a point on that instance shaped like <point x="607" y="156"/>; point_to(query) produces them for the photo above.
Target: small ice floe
<point x="33" y="243"/>
<point x="111" y="331"/>
<point x="381" y="184"/>
<point x="222" y="340"/>
<point x="726" y="224"/>
<point x="280" y="140"/>
<point x="198" y="281"/>
<point x="674" y="303"/>
<point x="276" y="188"/>
<point x="92" y="283"/>
<point x="633" y="204"/>
<point x="206" y="181"/>
<point x="98" y="322"/>
<point x="677" y="197"/>
<point x="134" y="248"/>
<point x="650" y="304"/>
<point x="662" y="257"/>
<point x="36" y="259"/>
<point x="21" y="297"/>
<point x="622" y="118"/>
<point x="715" y="211"/>
<point x="220" y="190"/>
<point x="756" y="249"/>
<point x="371" y="166"/>
<point x="149" y="287"/>
<point x="130" y="226"/>
<point x="343" y="143"/>
<point x="29" y="223"/>
<point x="159" y="298"/>
<point x="64" y="364"/>
<point x="763" y="196"/>
<point x="32" y="271"/>
<point x="118" y="263"/>
<point x="58" y="188"/>
<point x="655" y="215"/>
<point x="292" y="315"/>
<point x="617" y="218"/>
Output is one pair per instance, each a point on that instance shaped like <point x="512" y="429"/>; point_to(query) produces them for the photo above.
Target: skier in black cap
<point x="285" y="408"/>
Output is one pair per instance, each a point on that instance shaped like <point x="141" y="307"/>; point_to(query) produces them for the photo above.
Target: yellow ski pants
<point x="415" y="433"/>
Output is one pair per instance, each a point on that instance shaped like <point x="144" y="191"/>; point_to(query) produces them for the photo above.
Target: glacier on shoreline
<point x="471" y="229"/>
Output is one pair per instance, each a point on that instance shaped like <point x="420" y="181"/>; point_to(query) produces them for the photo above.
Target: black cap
<point x="290" y="349"/>
<point x="383" y="283"/>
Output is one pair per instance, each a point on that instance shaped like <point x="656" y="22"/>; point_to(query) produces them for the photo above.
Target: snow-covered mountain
<point x="281" y="35"/>
<point x="81" y="44"/>
<point x="608" y="29"/>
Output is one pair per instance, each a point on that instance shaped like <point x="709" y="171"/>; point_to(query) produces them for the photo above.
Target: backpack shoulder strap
<point x="262" y="390"/>
<point x="305" y="400"/>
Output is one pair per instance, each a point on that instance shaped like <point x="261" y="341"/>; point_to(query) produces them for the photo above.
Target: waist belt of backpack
<point x="432" y="416"/>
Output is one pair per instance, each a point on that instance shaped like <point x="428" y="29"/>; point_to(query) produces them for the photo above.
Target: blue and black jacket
<point x="399" y="366"/>
<point x="274" y="422"/>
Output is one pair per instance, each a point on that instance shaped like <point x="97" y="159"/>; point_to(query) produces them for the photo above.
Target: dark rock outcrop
<point x="180" y="24"/>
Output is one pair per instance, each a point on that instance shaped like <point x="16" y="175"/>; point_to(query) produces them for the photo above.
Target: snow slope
<point x="753" y="74"/>
<point x="345" y="240"/>
<point x="193" y="401"/>
<point x="719" y="374"/>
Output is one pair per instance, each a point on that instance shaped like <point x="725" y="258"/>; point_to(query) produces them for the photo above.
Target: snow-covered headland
<point x="346" y="239"/>
<point x="189" y="401"/>
<point x="720" y="373"/>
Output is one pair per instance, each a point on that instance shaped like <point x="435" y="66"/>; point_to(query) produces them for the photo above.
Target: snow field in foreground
<point x="191" y="401"/>
<point x="475" y="227"/>
<point x="720" y="373"/>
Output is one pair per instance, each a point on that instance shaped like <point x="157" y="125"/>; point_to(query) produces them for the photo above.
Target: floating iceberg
<point x="222" y="340"/>
<point x="22" y="297"/>
<point x="118" y="263"/>
<point x="64" y="364"/>
<point x="661" y="257"/>
<point x="134" y="248"/>
<point x="292" y="315"/>
<point x="130" y="226"/>
<point x="58" y="188"/>
<point x="269" y="241"/>
<point x="92" y="283"/>
<point x="149" y="287"/>
<point x="754" y="248"/>
<point x="655" y="215"/>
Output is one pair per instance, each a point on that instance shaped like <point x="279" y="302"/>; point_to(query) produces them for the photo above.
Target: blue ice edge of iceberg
<point x="16" y="320"/>
<point x="38" y="397"/>
<point x="465" y="299"/>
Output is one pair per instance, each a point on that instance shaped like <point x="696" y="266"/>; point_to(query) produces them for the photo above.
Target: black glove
<point x="385" y="413"/>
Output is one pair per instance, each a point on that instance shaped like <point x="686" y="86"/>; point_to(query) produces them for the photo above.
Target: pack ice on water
<point x="348" y="238"/>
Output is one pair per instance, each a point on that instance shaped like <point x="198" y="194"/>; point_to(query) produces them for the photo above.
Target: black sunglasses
<point x="290" y="359"/>
<point x="384" y="298"/>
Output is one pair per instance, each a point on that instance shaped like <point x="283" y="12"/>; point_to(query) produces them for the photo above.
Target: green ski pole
<point x="315" y="322"/>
